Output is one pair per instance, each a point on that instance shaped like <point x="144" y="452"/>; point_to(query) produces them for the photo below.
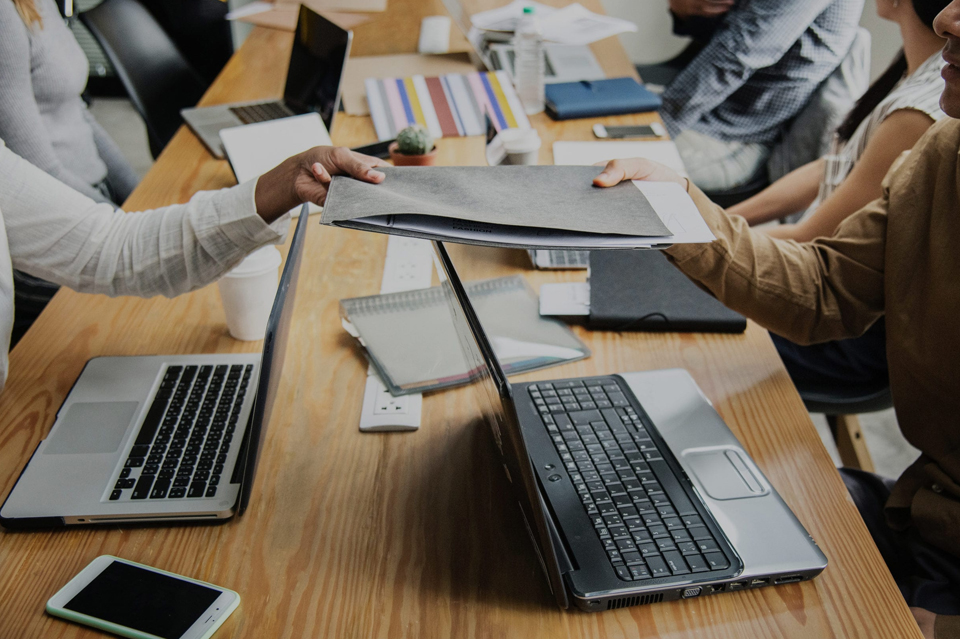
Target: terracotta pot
<point x="400" y="159"/>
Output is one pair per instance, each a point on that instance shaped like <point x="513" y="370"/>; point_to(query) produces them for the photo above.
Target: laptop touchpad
<point x="723" y="473"/>
<point x="92" y="427"/>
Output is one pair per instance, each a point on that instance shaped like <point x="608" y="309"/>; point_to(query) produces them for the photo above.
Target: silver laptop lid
<point x="274" y="353"/>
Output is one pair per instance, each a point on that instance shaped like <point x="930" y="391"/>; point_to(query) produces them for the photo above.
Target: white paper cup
<point x="522" y="146"/>
<point x="248" y="291"/>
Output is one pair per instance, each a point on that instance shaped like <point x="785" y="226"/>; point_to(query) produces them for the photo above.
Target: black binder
<point x="642" y="291"/>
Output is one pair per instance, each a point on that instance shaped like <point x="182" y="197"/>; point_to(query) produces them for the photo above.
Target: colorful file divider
<point x="448" y="106"/>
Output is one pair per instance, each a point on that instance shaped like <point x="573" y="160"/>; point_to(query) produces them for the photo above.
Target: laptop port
<point x="756" y="583"/>
<point x="792" y="579"/>
<point x="736" y="585"/>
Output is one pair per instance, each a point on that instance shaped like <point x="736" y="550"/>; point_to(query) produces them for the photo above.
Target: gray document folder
<point x="510" y="206"/>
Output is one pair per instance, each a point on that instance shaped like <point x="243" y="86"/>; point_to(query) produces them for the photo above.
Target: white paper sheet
<point x="566" y="299"/>
<point x="573" y="24"/>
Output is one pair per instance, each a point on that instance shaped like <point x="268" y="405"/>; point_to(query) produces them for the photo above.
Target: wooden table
<point x="407" y="535"/>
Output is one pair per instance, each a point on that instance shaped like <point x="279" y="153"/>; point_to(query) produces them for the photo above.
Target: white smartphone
<point x="652" y="130"/>
<point x="140" y="602"/>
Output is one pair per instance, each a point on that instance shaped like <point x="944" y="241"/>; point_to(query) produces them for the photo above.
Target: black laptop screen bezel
<point x="506" y="431"/>
<point x="271" y="362"/>
<point x="317" y="65"/>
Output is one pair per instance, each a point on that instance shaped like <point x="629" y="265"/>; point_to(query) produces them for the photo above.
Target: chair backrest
<point x="811" y="132"/>
<point x="158" y="79"/>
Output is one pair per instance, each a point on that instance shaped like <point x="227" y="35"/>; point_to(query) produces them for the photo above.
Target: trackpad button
<point x="92" y="427"/>
<point x="723" y="473"/>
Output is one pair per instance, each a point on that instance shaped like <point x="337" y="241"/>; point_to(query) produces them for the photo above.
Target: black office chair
<point x="159" y="81"/>
<point x="841" y="407"/>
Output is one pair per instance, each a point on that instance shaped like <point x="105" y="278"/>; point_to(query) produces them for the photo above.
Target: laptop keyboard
<point x="646" y="522"/>
<point x="183" y="442"/>
<point x="250" y="113"/>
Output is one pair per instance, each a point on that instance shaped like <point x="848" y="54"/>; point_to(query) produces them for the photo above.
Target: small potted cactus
<point x="414" y="147"/>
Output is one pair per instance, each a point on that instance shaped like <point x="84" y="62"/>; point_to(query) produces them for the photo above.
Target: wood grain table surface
<point x="407" y="534"/>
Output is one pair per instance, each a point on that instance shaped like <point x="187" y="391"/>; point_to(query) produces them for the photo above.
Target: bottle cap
<point x="527" y="10"/>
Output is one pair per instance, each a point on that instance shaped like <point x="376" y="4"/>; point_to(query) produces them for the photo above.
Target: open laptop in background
<point x="314" y="77"/>
<point x="159" y="438"/>
<point x="632" y="488"/>
<point x="563" y="62"/>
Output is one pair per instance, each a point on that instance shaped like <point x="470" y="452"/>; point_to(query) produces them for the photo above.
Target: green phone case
<point x="124" y="631"/>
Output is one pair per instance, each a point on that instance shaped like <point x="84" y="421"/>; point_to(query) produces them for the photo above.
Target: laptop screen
<point x="320" y="50"/>
<point x="496" y="403"/>
<point x="271" y="363"/>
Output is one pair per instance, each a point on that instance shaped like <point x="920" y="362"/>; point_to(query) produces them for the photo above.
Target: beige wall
<point x="655" y="42"/>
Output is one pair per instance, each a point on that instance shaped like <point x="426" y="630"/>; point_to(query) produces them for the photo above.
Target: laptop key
<point x="140" y="450"/>
<point x="676" y="563"/>
<point x="697" y="563"/>
<point x="716" y="560"/>
<point x="142" y="489"/>
<point x="125" y="483"/>
<point x="160" y="488"/>
<point x="639" y="572"/>
<point x="197" y="489"/>
<point x="632" y="558"/>
<point x="708" y="545"/>
<point x="623" y="572"/>
<point x="658" y="567"/>
<point x="177" y="492"/>
<point x="115" y="495"/>
<point x="211" y="491"/>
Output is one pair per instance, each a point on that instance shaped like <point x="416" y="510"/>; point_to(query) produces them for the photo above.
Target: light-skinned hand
<point x="305" y="178"/>
<point x="616" y="171"/>
<point x="925" y="619"/>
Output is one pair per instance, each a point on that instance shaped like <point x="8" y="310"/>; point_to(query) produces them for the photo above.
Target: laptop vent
<point x="640" y="600"/>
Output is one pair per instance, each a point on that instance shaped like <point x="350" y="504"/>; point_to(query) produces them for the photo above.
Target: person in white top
<point x="51" y="231"/>
<point x="889" y="119"/>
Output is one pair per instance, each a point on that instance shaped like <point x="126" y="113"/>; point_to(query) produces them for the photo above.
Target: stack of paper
<point x="448" y="106"/>
<point x="573" y="24"/>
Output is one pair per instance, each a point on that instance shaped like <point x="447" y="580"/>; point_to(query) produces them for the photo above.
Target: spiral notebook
<point x="411" y="340"/>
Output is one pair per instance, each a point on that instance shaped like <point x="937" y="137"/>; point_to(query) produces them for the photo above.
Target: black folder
<point x="642" y="291"/>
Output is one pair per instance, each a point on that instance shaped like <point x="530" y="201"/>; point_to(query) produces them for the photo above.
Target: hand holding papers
<point x="517" y="207"/>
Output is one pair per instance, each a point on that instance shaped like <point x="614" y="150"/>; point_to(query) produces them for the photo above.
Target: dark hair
<point x="927" y="11"/>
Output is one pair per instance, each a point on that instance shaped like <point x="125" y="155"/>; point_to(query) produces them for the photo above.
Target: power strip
<point x="408" y="266"/>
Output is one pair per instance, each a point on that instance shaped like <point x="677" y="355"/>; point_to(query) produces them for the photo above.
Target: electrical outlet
<point x="382" y="412"/>
<point x="408" y="266"/>
<point x="387" y="404"/>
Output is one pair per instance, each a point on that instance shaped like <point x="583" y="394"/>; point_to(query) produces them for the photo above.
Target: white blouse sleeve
<point x="63" y="236"/>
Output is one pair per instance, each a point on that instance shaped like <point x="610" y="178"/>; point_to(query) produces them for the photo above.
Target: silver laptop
<point x="157" y="439"/>
<point x="632" y="488"/>
<point x="314" y="78"/>
<point x="564" y="62"/>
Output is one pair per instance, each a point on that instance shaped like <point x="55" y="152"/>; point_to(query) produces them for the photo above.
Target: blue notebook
<point x="592" y="98"/>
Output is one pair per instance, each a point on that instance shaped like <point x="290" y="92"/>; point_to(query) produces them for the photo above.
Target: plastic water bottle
<point x="529" y="65"/>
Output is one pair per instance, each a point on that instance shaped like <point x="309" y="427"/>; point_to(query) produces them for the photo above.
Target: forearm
<point x="815" y="292"/>
<point x="60" y="235"/>
<point x="790" y="194"/>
